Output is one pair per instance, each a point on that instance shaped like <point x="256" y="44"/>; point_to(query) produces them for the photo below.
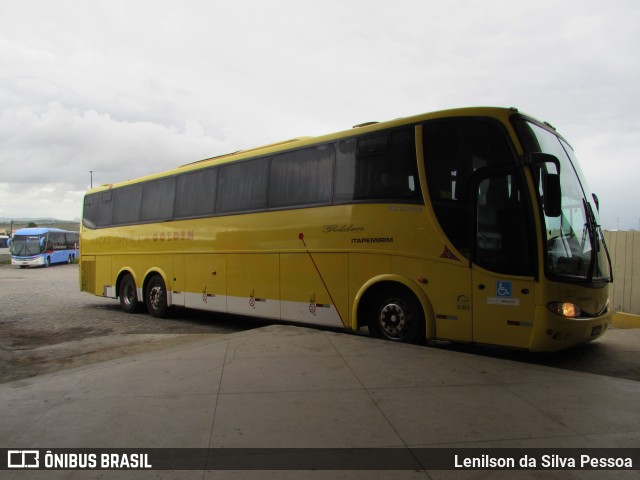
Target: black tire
<point x="47" y="262"/>
<point x="128" y="295"/>
<point x="396" y="316"/>
<point x="155" y="297"/>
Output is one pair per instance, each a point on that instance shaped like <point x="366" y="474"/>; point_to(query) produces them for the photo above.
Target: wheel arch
<point x="121" y="274"/>
<point x="379" y="283"/>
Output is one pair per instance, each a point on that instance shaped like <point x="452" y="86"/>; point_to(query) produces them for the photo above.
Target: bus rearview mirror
<point x="552" y="195"/>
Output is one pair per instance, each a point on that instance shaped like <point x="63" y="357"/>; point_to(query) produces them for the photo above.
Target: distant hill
<point x="43" y="221"/>
<point x="5" y="223"/>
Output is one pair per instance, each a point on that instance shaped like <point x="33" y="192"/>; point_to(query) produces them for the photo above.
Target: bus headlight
<point x="565" y="309"/>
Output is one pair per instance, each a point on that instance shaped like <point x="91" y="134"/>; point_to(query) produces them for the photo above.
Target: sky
<point x="104" y="91"/>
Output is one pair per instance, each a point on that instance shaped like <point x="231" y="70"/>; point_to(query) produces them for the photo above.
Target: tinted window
<point x="72" y="239"/>
<point x="55" y="241"/>
<point x="345" y="170"/>
<point x="90" y="211"/>
<point x="196" y="193"/>
<point x="502" y="238"/>
<point x="375" y="167"/>
<point x="126" y="204"/>
<point x="378" y="167"/>
<point x="157" y="199"/>
<point x="453" y="150"/>
<point x="242" y="186"/>
<point x="301" y="177"/>
<point x="104" y="202"/>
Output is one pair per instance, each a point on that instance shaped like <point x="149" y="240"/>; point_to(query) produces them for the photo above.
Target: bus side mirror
<point x="597" y="201"/>
<point x="552" y="195"/>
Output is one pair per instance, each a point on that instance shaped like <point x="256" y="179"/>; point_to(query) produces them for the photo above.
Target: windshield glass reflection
<point x="574" y="242"/>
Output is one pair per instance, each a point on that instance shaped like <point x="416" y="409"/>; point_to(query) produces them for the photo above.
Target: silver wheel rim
<point x="393" y="319"/>
<point x="128" y="295"/>
<point x="156" y="297"/>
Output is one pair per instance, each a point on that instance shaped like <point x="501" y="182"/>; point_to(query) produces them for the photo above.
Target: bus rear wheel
<point x="156" y="297"/>
<point x="397" y="316"/>
<point x="129" y="295"/>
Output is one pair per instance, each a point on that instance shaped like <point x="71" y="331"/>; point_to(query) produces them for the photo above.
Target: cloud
<point x="40" y="200"/>
<point x="61" y="144"/>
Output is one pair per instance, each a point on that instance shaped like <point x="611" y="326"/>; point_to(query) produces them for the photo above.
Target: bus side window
<point x="502" y="239"/>
<point x="242" y="186"/>
<point x="378" y="167"/>
<point x="90" y="212"/>
<point x="157" y="199"/>
<point x="98" y="209"/>
<point x="301" y="177"/>
<point x="453" y="150"/>
<point x="126" y="204"/>
<point x="196" y="193"/>
<point x="345" y="176"/>
<point x="105" y="208"/>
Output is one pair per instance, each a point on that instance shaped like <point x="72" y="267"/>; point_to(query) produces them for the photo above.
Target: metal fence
<point x="625" y="294"/>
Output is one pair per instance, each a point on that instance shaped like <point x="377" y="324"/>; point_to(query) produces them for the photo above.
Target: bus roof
<point x="39" y="231"/>
<point x="360" y="129"/>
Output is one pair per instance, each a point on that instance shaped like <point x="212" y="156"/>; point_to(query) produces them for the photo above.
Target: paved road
<point x="47" y="324"/>
<point x="615" y="354"/>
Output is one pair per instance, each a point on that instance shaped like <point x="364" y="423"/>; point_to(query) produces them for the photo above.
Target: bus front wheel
<point x="156" y="297"/>
<point x="396" y="316"/>
<point x="128" y="295"/>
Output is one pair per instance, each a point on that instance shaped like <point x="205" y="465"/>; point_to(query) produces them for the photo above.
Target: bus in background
<point x="468" y="225"/>
<point x="31" y="247"/>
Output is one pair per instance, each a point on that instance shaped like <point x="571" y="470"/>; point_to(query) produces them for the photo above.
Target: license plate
<point x="596" y="331"/>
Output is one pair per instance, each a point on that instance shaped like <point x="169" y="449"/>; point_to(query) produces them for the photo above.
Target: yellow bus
<point x="468" y="225"/>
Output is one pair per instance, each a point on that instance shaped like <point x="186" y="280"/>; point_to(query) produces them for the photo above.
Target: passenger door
<point x="503" y="259"/>
<point x="477" y="191"/>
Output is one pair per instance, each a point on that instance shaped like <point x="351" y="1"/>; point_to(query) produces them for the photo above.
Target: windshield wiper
<point x="596" y="235"/>
<point x="590" y="226"/>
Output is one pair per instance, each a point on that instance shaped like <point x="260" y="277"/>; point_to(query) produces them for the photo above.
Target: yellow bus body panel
<point x="314" y="265"/>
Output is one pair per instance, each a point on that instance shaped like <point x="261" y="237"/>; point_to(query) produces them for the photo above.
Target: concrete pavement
<point x="290" y="387"/>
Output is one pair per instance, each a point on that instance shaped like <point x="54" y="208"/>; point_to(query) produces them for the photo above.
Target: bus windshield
<point x="27" y="245"/>
<point x="574" y="243"/>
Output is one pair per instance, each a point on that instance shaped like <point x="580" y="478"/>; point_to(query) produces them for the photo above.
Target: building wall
<point x="624" y="248"/>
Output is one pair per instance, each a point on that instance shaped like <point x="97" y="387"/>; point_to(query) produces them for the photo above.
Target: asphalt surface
<point x="246" y="399"/>
<point x="47" y="324"/>
<point x="76" y="372"/>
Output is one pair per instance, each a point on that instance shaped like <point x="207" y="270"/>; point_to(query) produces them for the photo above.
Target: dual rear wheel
<point x="155" y="296"/>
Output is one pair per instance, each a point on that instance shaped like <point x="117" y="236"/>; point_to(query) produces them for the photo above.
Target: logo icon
<point x="503" y="288"/>
<point x="23" y="458"/>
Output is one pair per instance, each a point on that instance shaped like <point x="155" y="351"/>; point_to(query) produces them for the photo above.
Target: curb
<point x="626" y="320"/>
